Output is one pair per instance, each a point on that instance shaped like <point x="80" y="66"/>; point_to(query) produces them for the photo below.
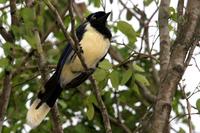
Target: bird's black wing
<point x="66" y="57"/>
<point x="80" y="79"/>
<point x="80" y="31"/>
<point x="83" y="75"/>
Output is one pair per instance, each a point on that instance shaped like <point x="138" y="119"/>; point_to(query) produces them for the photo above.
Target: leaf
<point x="3" y="1"/>
<point x="7" y="48"/>
<point x="100" y="74"/>
<point x="138" y="68"/>
<point x="4" y="62"/>
<point x="105" y="64"/>
<point x="40" y="22"/>
<point x="126" y="76"/>
<point x="128" y="30"/>
<point x="173" y="14"/>
<point x="90" y="111"/>
<point x="91" y="99"/>
<point x="114" y="77"/>
<point x="31" y="40"/>
<point x="129" y="15"/>
<point x="198" y="104"/>
<point x="27" y="14"/>
<point x="147" y="2"/>
<point x="97" y="3"/>
<point x="181" y="130"/>
<point x="142" y="79"/>
<point x="63" y="104"/>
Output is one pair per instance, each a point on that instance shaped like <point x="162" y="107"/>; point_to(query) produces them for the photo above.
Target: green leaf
<point x="97" y="3"/>
<point x="181" y="130"/>
<point x="114" y="77"/>
<point x="100" y="74"/>
<point x="40" y="21"/>
<point x="142" y="79"/>
<point x="31" y="40"/>
<point x="7" y="48"/>
<point x="3" y="1"/>
<point x="129" y="15"/>
<point x="147" y="2"/>
<point x="138" y="68"/>
<point x="128" y="30"/>
<point x="91" y="99"/>
<point x="198" y="104"/>
<point x="105" y="64"/>
<point x="62" y="103"/>
<point x="4" y="62"/>
<point x="126" y="76"/>
<point x="90" y="111"/>
<point x="27" y="14"/>
<point x="173" y="14"/>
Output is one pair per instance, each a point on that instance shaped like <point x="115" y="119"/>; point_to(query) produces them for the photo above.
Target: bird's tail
<point x="42" y="105"/>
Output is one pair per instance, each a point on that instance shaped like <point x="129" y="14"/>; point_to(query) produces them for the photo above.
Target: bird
<point x="94" y="40"/>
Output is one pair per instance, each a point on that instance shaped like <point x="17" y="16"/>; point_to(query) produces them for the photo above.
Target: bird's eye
<point x="93" y="17"/>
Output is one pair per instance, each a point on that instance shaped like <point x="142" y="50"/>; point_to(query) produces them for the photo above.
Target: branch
<point x="43" y="38"/>
<point x="122" y="125"/>
<point x="6" y="35"/>
<point x="145" y="92"/>
<point x="77" y="49"/>
<point x="56" y="120"/>
<point x="124" y="5"/>
<point x="44" y="73"/>
<point x="188" y="108"/>
<point x="79" y="9"/>
<point x="22" y="66"/>
<point x="180" y="7"/>
<point x="164" y="37"/>
<point x="5" y="97"/>
<point x="13" y="9"/>
<point x="176" y="67"/>
<point x="29" y="3"/>
<point x="4" y="7"/>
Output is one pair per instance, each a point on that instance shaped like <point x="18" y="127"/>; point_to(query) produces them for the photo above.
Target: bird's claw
<point x="80" y="49"/>
<point x="90" y="70"/>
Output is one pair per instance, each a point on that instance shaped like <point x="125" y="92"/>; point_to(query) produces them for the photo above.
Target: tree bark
<point x="183" y="44"/>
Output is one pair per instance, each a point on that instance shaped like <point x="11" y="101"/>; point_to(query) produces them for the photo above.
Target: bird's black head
<point x="98" y="20"/>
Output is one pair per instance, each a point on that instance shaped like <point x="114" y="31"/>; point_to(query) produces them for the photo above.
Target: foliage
<point x="79" y="111"/>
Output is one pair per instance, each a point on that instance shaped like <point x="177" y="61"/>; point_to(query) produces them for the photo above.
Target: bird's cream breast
<point x="94" y="46"/>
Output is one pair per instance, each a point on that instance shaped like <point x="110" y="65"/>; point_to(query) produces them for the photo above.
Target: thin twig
<point x="145" y="92"/>
<point x="4" y="7"/>
<point x="57" y="127"/>
<point x="13" y="9"/>
<point x="188" y="107"/>
<point x="183" y="115"/>
<point x="120" y="124"/>
<point x="43" y="38"/>
<point x="196" y="64"/>
<point x="189" y="56"/>
<point x="5" y="97"/>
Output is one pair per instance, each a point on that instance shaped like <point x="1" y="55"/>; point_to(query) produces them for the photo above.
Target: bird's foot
<point x="80" y="49"/>
<point x="89" y="70"/>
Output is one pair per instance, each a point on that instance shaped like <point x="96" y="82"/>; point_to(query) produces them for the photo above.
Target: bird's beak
<point x="104" y="18"/>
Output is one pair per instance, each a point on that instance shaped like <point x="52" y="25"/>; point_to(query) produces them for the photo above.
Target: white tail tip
<point x="35" y="116"/>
